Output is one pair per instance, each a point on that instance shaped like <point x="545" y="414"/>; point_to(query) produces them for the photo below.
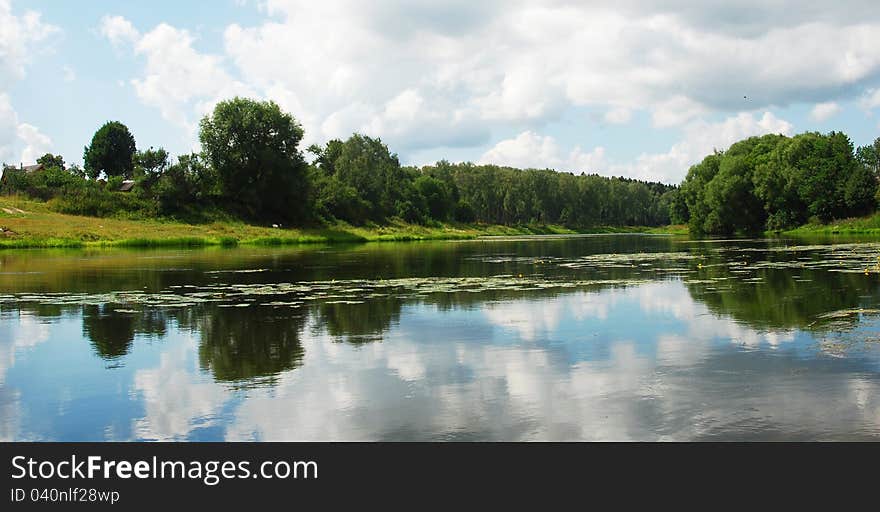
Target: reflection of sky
<point x="641" y="362"/>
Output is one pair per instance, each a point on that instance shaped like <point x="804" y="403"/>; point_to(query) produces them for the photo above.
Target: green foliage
<point x="253" y="147"/>
<point x="437" y="197"/>
<point x="464" y="212"/>
<point x="44" y="184"/>
<point x="775" y="182"/>
<point x="251" y="166"/>
<point x="365" y="166"/>
<point x="674" y="203"/>
<point x="97" y="200"/>
<point x="152" y="162"/>
<point x="184" y="188"/>
<point x="111" y="152"/>
<point x="50" y="160"/>
<point x="869" y="157"/>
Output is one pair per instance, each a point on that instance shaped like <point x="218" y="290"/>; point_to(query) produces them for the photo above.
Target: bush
<point x="43" y="185"/>
<point x="97" y="201"/>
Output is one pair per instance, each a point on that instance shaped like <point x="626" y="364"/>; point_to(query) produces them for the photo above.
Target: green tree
<point x="253" y="146"/>
<point x="185" y="187"/>
<point x="151" y="161"/>
<point x="50" y="160"/>
<point x="367" y="166"/>
<point x="694" y="191"/>
<point x="437" y="196"/>
<point x="869" y="156"/>
<point x="111" y="151"/>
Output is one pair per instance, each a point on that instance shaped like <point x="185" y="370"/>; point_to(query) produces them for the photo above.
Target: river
<point x="605" y="337"/>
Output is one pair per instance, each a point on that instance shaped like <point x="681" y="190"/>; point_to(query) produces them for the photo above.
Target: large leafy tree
<point x="111" y="151"/>
<point x="253" y="147"/>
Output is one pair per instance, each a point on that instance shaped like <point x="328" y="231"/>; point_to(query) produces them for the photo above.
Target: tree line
<point x="251" y="166"/>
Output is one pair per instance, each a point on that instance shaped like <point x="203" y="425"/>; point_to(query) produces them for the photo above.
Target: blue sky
<point x="636" y="88"/>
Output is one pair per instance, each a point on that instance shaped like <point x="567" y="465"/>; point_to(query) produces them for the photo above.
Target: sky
<point x="637" y="88"/>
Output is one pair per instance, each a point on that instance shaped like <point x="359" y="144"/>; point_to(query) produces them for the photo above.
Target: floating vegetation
<point x="348" y="292"/>
<point x="844" y="313"/>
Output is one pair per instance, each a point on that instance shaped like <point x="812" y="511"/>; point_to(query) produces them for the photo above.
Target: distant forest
<point x="252" y="167"/>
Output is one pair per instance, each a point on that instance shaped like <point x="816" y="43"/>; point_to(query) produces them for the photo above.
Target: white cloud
<point x="676" y="111"/>
<point x="19" y="36"/>
<point x="700" y="139"/>
<point x="183" y="83"/>
<point x="871" y="99"/>
<point x="16" y="136"/>
<point x="426" y="75"/>
<point x="530" y="150"/>
<point x="824" y="111"/>
<point x="118" y="30"/>
<point x="527" y="62"/>
<point x="36" y="144"/>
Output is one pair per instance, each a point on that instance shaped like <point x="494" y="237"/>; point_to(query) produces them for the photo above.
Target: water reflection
<point x="245" y="344"/>
<point x="586" y="338"/>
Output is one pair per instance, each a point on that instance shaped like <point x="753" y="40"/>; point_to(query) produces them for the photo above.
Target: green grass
<point x="31" y="224"/>
<point x="869" y="225"/>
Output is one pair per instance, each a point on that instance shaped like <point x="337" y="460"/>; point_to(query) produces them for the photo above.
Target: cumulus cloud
<point x="451" y="74"/>
<point x="531" y="150"/>
<point x="183" y="83"/>
<point x="700" y="139"/>
<point x="425" y="75"/>
<point x="20" y="37"/>
<point x="36" y="144"/>
<point x="824" y="111"/>
<point x="16" y="136"/>
<point x="179" y="80"/>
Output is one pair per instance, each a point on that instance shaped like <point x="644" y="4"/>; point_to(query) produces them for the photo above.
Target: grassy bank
<point x="869" y="225"/>
<point x="30" y="224"/>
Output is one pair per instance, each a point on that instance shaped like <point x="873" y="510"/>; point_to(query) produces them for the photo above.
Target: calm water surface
<point x="554" y="338"/>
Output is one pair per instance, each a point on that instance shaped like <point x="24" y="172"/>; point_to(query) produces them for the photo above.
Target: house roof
<point x="32" y="168"/>
<point x="126" y="186"/>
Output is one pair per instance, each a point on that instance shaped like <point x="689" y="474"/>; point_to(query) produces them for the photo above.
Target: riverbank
<point x="869" y="225"/>
<point x="31" y="224"/>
